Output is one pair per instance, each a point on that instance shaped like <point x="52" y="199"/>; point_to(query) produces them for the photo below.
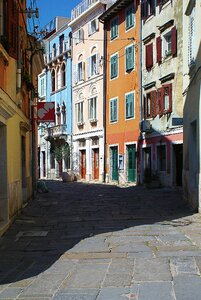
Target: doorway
<point x="83" y="163"/>
<point x="114" y="162"/>
<point x="96" y="163"/>
<point x="131" y="163"/>
<point x="178" y="154"/>
<point x="44" y="163"/>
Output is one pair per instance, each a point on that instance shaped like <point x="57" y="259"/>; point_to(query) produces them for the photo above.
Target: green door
<point x="131" y="163"/>
<point x="114" y="163"/>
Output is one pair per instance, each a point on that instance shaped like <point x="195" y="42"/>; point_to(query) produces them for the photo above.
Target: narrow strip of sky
<point x="48" y="9"/>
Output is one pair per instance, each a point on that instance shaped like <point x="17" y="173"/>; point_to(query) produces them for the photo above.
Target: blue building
<point x="54" y="85"/>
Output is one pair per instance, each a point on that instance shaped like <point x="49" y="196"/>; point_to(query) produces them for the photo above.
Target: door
<point x="178" y="150"/>
<point x="114" y="151"/>
<point x="96" y="163"/>
<point x="147" y="163"/>
<point x="131" y="163"/>
<point x="44" y="164"/>
<point x="83" y="164"/>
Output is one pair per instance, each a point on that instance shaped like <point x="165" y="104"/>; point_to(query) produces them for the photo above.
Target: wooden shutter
<point x="153" y="104"/>
<point x="174" y="41"/>
<point x="159" y="49"/>
<point x="160" y="100"/>
<point x="89" y="67"/>
<point x="97" y="63"/>
<point x="170" y="97"/>
<point x="149" y="56"/>
<point x="153" y="9"/>
<point x="143" y="10"/>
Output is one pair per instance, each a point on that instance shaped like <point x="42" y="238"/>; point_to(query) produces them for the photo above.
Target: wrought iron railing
<point x="55" y="131"/>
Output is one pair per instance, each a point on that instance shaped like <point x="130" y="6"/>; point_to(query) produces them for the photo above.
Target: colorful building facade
<point x="87" y="73"/>
<point x="54" y="85"/>
<point x="161" y="151"/>
<point x="16" y="177"/>
<point x="122" y="90"/>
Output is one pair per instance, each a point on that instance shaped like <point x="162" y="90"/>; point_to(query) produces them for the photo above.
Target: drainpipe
<point x="141" y="94"/>
<point x="104" y="99"/>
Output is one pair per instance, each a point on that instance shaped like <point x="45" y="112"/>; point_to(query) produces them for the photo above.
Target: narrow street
<point x="102" y="242"/>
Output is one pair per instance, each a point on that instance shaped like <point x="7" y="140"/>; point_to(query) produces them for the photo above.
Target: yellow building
<point x="15" y="117"/>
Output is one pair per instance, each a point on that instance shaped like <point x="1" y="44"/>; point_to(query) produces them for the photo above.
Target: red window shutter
<point x="12" y="30"/>
<point x="159" y="49"/>
<point x="149" y="56"/>
<point x="144" y="107"/>
<point x="160" y="101"/>
<point x="170" y="97"/>
<point x="174" y="41"/>
<point x="153" y="104"/>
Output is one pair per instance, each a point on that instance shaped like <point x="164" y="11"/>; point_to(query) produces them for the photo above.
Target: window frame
<point x="130" y="116"/>
<point x="128" y="70"/>
<point x="130" y="7"/>
<point x="78" y="105"/>
<point x="112" y="36"/>
<point x="92" y="100"/>
<point x="117" y="68"/>
<point x="110" y="115"/>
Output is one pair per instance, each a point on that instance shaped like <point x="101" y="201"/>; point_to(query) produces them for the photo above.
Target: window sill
<point x="80" y="124"/>
<point x="93" y="121"/>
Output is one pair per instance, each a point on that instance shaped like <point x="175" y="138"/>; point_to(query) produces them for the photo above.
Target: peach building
<point x="87" y="86"/>
<point x="122" y="26"/>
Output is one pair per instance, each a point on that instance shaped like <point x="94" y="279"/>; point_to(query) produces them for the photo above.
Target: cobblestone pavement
<point x="102" y="242"/>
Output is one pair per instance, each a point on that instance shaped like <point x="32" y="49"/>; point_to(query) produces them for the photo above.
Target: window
<point x="63" y="75"/>
<point x="114" y="28"/>
<point x="53" y="80"/>
<point x="58" y="78"/>
<point x="93" y="65"/>
<point x="191" y="38"/>
<point x="93" y="26"/>
<point x="161" y="158"/>
<point x="79" y="36"/>
<point x="147" y="8"/>
<point x="150" y="105"/>
<point x="129" y="105"/>
<point x="130" y="17"/>
<point x="80" y="71"/>
<point x="114" y="66"/>
<point x="92" y="108"/>
<point x="170" y="43"/>
<point x="63" y="111"/>
<point x="41" y="86"/>
<point x="79" y="112"/>
<point x="113" y="110"/>
<point x="167" y="98"/>
<point x="167" y="45"/>
<point x="54" y="51"/>
<point x="61" y="43"/>
<point x="130" y="58"/>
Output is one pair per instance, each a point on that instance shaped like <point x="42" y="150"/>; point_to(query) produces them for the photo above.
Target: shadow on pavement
<point x="56" y="222"/>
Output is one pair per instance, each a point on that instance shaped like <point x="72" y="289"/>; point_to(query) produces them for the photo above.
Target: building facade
<point x="161" y="148"/>
<point x="122" y="90"/>
<point x="54" y="85"/>
<point x="87" y="73"/>
<point x="192" y="100"/>
<point x="16" y="87"/>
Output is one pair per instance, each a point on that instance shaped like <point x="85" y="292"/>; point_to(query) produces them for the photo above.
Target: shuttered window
<point x="147" y="8"/>
<point x="149" y="56"/>
<point x="191" y="38"/>
<point x="79" y="112"/>
<point x="114" y="66"/>
<point x="130" y="58"/>
<point x="114" y="28"/>
<point x="167" y="98"/>
<point x="130" y="17"/>
<point x="12" y="27"/>
<point x="174" y="41"/>
<point x="130" y="105"/>
<point x="92" y="108"/>
<point x="113" y="110"/>
<point x="159" y="49"/>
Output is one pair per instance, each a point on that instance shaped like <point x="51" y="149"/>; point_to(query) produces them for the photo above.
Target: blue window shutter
<point x="130" y="58"/>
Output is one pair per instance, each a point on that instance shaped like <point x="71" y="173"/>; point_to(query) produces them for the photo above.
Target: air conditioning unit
<point x="145" y="126"/>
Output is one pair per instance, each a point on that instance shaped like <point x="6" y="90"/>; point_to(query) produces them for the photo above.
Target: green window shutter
<point x="113" y="110"/>
<point x="130" y="58"/>
<point x="114" y="28"/>
<point x="114" y="66"/>
<point x="129" y="106"/>
<point x="130" y="18"/>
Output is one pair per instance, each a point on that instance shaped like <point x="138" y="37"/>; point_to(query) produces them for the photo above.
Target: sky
<point x="48" y="9"/>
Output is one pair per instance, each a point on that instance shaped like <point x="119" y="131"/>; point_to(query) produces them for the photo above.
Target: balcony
<point x="81" y="8"/>
<point x="59" y="52"/>
<point x="59" y="131"/>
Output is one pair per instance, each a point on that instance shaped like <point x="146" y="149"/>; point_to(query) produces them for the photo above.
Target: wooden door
<point x="114" y="163"/>
<point x="83" y="164"/>
<point x="96" y="163"/>
<point x="131" y="163"/>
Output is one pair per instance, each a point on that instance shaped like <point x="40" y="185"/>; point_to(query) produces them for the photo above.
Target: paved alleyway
<point x="101" y="242"/>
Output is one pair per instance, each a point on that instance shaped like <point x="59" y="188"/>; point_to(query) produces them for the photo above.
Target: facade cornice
<point x="88" y="134"/>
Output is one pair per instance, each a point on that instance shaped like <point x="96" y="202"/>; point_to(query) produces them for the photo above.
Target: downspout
<point x="104" y="99"/>
<point x="141" y="95"/>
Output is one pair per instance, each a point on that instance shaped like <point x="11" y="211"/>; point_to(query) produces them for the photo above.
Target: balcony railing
<point x="81" y="7"/>
<point x="55" y="131"/>
<point x="60" y="50"/>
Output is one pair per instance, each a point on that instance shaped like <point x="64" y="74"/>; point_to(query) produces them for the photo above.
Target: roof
<point x="114" y="9"/>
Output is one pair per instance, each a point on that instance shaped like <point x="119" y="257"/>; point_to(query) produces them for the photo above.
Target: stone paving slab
<point x="102" y="242"/>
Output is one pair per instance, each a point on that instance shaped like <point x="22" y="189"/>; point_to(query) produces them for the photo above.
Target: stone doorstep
<point x="4" y="225"/>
